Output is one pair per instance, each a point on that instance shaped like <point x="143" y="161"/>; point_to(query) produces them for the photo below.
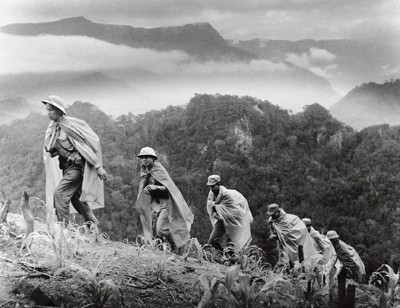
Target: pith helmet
<point x="273" y="208"/>
<point x="56" y="102"/>
<point x="147" y="151"/>
<point x="213" y="179"/>
<point x="307" y="221"/>
<point x="332" y="234"/>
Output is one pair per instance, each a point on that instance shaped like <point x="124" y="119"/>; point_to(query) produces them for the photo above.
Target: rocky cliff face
<point x="242" y="131"/>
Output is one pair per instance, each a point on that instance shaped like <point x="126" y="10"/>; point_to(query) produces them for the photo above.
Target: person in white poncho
<point x="229" y="214"/>
<point x="74" y="181"/>
<point x="290" y="232"/>
<point x="348" y="256"/>
<point x="321" y="243"/>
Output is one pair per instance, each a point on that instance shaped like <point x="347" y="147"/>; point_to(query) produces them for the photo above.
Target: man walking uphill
<point x="229" y="214"/>
<point x="160" y="203"/>
<point x="79" y="158"/>
<point x="321" y="243"/>
<point x="348" y="256"/>
<point x="290" y="232"/>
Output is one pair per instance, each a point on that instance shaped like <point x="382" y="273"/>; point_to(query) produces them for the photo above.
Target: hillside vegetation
<point x="309" y="163"/>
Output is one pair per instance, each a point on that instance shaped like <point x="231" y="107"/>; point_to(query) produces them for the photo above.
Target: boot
<point x="171" y="242"/>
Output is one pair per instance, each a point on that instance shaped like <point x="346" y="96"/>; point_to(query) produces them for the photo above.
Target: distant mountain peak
<point x="95" y="78"/>
<point x="78" y="19"/>
<point x="198" y="39"/>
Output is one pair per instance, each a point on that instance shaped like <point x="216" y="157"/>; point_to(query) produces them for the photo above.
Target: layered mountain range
<point x="200" y="40"/>
<point x="345" y="63"/>
<point x="137" y="69"/>
<point x="182" y="61"/>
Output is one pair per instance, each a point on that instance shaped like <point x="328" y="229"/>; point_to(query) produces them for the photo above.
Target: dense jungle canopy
<point x="309" y="163"/>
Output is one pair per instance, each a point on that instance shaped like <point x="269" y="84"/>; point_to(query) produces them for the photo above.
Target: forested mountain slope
<point x="309" y="163"/>
<point x="370" y="104"/>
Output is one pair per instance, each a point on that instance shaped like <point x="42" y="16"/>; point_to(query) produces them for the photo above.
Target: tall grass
<point x="251" y="283"/>
<point x="153" y="245"/>
<point x="162" y="262"/>
<point x="249" y="258"/>
<point x="100" y="291"/>
<point x="194" y="249"/>
<point x="210" y="286"/>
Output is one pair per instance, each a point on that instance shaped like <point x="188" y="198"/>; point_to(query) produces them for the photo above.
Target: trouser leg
<point x="163" y="224"/>
<point x="163" y="227"/>
<point x="154" y="218"/>
<point x="71" y="181"/>
<point x="217" y="234"/>
<point x="82" y="207"/>
<point x="69" y="190"/>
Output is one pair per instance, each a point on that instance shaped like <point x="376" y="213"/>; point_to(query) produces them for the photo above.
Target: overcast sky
<point x="234" y="19"/>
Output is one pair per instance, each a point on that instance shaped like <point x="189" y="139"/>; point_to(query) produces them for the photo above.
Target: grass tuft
<point x="100" y="291"/>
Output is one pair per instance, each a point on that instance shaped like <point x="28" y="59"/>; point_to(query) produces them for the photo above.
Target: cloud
<point x="75" y="53"/>
<point x="307" y="59"/>
<point x="254" y="66"/>
<point x="321" y="55"/>
<point x="328" y="71"/>
<point x="317" y="60"/>
<point x="174" y="76"/>
<point x="391" y="72"/>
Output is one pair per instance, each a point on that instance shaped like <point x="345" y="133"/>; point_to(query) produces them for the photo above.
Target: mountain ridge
<point x="228" y="69"/>
<point x="199" y="39"/>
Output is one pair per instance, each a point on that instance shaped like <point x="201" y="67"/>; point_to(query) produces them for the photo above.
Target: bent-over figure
<point x="229" y="214"/>
<point x="348" y="256"/>
<point x="290" y="232"/>
<point x="321" y="243"/>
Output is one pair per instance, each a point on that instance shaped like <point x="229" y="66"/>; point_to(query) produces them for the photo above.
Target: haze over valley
<point x="128" y="68"/>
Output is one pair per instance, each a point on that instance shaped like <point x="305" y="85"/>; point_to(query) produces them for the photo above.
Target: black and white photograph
<point x="208" y="153"/>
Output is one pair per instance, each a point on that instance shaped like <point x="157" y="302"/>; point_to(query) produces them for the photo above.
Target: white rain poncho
<point x="323" y="245"/>
<point x="385" y="279"/>
<point x="180" y="215"/>
<point x="232" y="207"/>
<point x="85" y="140"/>
<point x="292" y="232"/>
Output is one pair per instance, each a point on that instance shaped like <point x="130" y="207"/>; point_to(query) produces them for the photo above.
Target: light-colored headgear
<point x="307" y="221"/>
<point x="56" y="102"/>
<point x="147" y="151"/>
<point x="213" y="179"/>
<point x="273" y="208"/>
<point x="332" y="234"/>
